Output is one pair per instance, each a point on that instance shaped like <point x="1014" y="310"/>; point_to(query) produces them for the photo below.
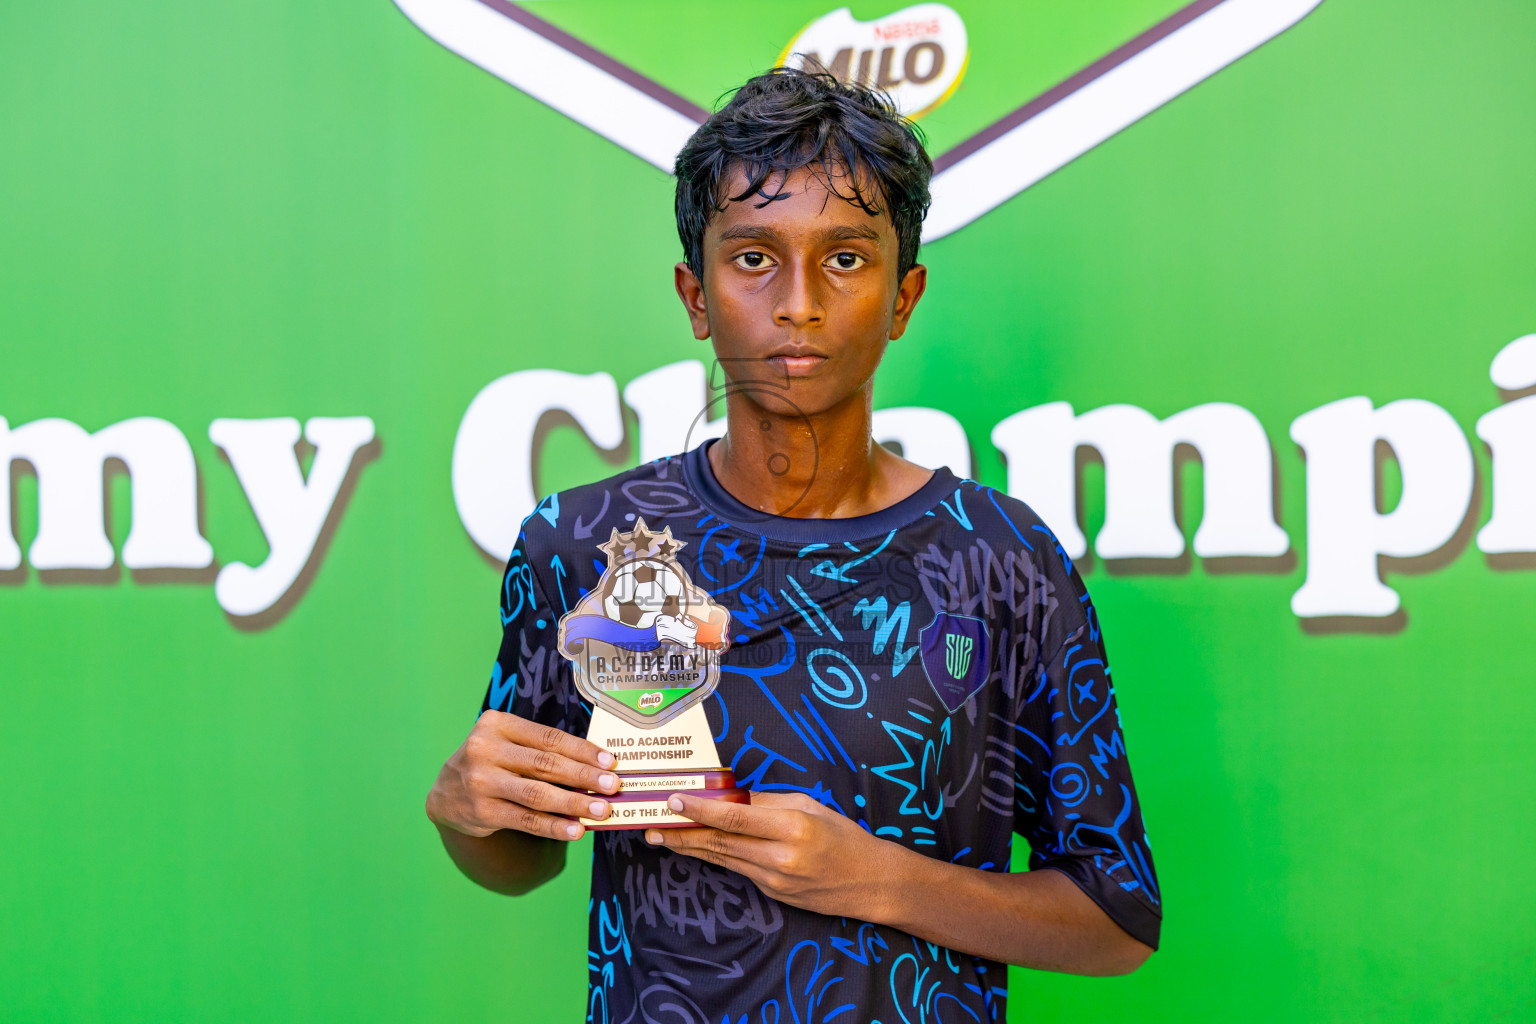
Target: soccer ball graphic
<point x="639" y="591"/>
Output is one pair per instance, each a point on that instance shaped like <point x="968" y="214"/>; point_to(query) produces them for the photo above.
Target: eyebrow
<point x="750" y="232"/>
<point x="768" y="232"/>
<point x="847" y="231"/>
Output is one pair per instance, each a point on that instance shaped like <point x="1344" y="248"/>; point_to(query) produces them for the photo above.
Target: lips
<point x="793" y="363"/>
<point x="796" y="366"/>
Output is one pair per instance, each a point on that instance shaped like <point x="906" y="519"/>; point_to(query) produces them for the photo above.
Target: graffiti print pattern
<point x="934" y="671"/>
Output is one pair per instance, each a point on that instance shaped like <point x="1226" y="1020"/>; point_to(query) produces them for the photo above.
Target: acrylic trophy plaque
<point x="645" y="647"/>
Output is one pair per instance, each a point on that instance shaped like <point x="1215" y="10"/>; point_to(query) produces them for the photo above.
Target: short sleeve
<point x="1075" y="801"/>
<point x="529" y="678"/>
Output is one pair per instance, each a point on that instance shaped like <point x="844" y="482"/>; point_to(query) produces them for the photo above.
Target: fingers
<point x="521" y="775"/>
<point x="543" y="752"/>
<point x="550" y="767"/>
<point x="761" y="820"/>
<point x="722" y="849"/>
<point x="525" y="819"/>
<point x="541" y="796"/>
<point x="511" y="774"/>
<point x="547" y="737"/>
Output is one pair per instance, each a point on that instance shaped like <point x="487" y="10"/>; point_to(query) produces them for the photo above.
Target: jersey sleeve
<point x="529" y="678"/>
<point x="1075" y="801"/>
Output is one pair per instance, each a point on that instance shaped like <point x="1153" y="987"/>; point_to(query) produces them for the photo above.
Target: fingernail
<point x="598" y="809"/>
<point x="652" y="836"/>
<point x="675" y="802"/>
<point x="574" y="831"/>
<point x="608" y="782"/>
<point x="605" y="759"/>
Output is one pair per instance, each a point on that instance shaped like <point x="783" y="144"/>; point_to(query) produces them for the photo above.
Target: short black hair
<point x="786" y="119"/>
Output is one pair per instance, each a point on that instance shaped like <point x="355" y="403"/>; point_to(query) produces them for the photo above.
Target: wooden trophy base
<point x="641" y="801"/>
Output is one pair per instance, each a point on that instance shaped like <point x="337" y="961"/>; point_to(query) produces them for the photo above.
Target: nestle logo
<point x="907" y="28"/>
<point x="649" y="700"/>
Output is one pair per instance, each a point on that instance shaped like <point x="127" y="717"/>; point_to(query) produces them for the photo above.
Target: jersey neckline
<point x="717" y="500"/>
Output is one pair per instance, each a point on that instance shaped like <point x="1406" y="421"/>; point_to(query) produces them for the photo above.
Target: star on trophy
<point x="645" y="646"/>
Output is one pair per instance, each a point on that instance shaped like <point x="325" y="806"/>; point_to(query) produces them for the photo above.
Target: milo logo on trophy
<point x="645" y="646"/>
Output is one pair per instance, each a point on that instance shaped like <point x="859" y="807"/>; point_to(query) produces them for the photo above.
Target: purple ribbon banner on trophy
<point x="666" y="629"/>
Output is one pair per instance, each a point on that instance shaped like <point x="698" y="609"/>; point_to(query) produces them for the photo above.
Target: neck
<point x="824" y="466"/>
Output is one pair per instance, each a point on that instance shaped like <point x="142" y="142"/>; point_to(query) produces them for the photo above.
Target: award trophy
<point x="645" y="646"/>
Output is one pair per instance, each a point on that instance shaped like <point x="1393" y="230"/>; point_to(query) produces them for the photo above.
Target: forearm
<point x="507" y="861"/>
<point x="797" y="850"/>
<point x="1038" y="919"/>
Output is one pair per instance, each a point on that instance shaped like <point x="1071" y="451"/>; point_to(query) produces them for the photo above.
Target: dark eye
<point x="753" y="260"/>
<point x="847" y="261"/>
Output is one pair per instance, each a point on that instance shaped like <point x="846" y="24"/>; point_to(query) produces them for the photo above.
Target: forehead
<point x="807" y="199"/>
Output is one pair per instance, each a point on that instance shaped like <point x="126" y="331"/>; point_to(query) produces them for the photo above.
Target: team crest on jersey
<point x="603" y="64"/>
<point x="957" y="657"/>
<point x="645" y="643"/>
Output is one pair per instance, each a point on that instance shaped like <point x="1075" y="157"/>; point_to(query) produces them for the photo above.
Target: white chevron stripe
<point x="963" y="192"/>
<point x="1115" y="100"/>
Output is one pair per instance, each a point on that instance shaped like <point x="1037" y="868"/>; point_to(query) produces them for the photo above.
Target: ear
<point x="691" y="291"/>
<point x="911" y="289"/>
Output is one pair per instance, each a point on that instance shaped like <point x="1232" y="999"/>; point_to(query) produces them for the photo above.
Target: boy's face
<point x="800" y="294"/>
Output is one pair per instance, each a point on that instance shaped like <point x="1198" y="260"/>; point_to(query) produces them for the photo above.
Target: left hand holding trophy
<point x="645" y="646"/>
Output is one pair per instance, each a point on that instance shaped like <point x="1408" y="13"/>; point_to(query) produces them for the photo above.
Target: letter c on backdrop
<point x="493" y="450"/>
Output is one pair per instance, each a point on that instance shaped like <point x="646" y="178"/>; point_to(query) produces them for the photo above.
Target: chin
<point x="803" y="399"/>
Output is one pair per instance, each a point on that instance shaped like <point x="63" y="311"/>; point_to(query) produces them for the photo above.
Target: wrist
<point x="895" y="874"/>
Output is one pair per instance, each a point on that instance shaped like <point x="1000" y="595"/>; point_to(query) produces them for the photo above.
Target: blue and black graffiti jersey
<point x="933" y="670"/>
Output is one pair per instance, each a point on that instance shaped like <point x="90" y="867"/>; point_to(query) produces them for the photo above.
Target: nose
<point x="798" y="301"/>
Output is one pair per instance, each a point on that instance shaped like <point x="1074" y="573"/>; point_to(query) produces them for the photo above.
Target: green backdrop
<point x="312" y="209"/>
